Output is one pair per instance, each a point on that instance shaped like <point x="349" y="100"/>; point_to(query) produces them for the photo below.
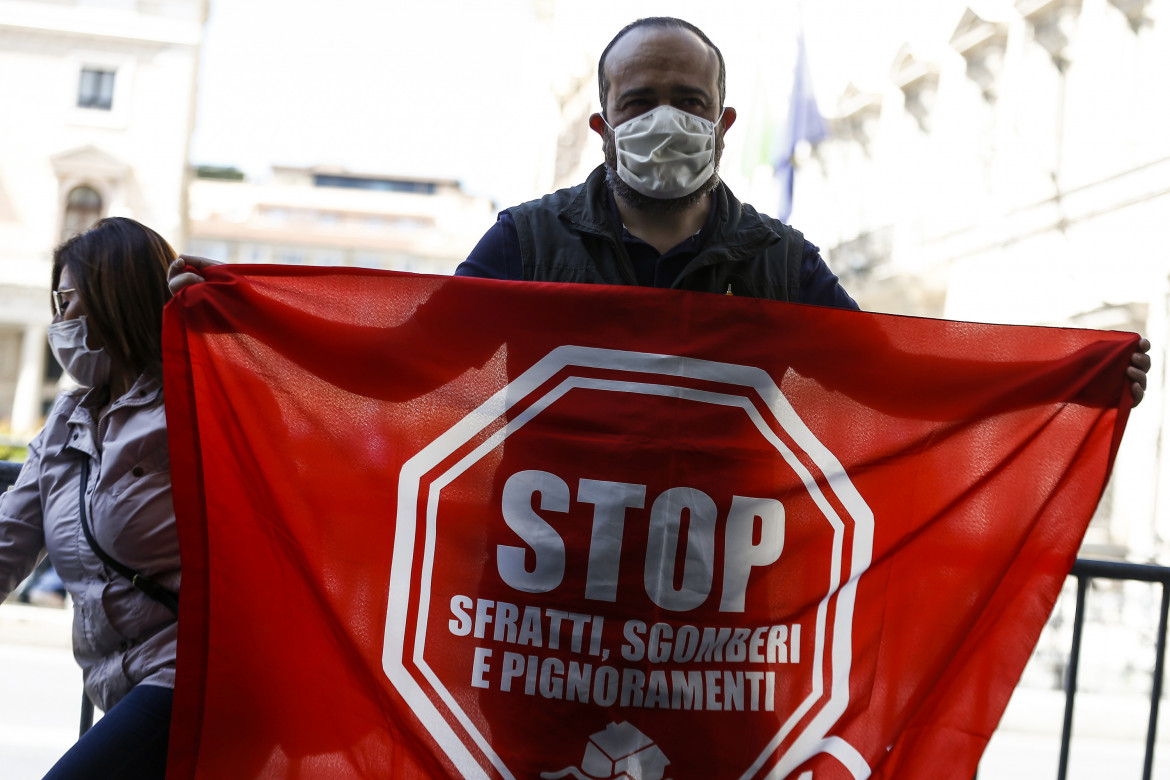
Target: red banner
<point x="445" y="527"/>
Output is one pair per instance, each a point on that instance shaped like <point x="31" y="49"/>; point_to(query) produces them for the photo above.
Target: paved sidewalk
<point x="36" y="626"/>
<point x="40" y="689"/>
<point x="1108" y="742"/>
<point x="40" y="704"/>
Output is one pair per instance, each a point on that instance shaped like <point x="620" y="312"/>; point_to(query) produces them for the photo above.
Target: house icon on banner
<point x="619" y="752"/>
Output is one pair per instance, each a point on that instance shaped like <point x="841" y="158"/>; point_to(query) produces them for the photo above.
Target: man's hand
<point x="185" y="271"/>
<point x="1139" y="365"/>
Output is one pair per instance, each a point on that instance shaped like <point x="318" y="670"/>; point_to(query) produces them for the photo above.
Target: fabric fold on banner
<point x="448" y="527"/>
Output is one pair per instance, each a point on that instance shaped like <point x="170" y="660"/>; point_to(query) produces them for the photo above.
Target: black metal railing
<point x="1086" y="570"/>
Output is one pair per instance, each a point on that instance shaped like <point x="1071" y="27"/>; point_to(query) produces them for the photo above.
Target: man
<point x="656" y="213"/>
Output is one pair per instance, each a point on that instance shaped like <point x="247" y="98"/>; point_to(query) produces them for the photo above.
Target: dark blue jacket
<point x="575" y="235"/>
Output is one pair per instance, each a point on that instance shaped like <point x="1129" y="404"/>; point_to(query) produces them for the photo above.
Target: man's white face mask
<point x="88" y="367"/>
<point x="665" y="153"/>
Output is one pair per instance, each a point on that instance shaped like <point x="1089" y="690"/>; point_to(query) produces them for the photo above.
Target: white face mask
<point x="88" y="367"/>
<point x="665" y="153"/>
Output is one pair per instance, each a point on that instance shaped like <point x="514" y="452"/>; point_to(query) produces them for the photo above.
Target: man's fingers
<point x="191" y="263"/>
<point x="186" y="270"/>
<point x="1138" y="377"/>
<point x="182" y="279"/>
<point x="1139" y="366"/>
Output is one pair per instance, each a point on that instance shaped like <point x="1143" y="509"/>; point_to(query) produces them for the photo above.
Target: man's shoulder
<point x="577" y="197"/>
<point x="499" y="254"/>
<point x="747" y="219"/>
<point x="559" y="197"/>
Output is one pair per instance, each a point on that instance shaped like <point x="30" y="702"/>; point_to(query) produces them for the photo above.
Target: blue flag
<point x="804" y="124"/>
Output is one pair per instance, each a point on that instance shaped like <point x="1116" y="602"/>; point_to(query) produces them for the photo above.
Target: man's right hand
<point x="185" y="271"/>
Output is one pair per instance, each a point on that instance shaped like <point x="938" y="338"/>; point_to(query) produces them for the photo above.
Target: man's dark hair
<point x="120" y="269"/>
<point x="664" y="22"/>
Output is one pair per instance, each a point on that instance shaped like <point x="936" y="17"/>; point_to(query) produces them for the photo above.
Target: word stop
<point x="753" y="537"/>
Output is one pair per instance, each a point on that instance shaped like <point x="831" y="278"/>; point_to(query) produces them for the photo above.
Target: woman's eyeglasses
<point x="62" y="299"/>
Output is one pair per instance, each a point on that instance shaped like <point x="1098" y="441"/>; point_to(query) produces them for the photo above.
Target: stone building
<point x="1016" y="169"/>
<point x="332" y="216"/>
<point x="1011" y="166"/>
<point x="96" y="111"/>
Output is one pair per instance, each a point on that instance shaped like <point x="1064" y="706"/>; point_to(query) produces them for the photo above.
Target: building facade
<point x="97" y="103"/>
<point x="335" y="217"/>
<point x="1017" y="170"/>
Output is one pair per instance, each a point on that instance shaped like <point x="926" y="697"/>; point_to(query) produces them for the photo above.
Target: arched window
<point x="83" y="207"/>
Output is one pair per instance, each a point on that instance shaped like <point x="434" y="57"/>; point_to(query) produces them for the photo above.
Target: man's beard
<point x="644" y="202"/>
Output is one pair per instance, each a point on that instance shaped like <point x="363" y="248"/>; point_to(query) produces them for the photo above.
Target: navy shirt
<point x="497" y="256"/>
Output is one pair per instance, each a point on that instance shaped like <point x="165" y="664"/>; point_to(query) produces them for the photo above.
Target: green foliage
<point x="218" y="172"/>
<point x="13" y="452"/>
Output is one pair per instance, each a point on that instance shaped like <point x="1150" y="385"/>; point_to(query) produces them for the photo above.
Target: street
<point x="40" y="705"/>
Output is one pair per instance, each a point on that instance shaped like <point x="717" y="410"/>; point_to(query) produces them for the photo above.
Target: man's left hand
<point x="1139" y="365"/>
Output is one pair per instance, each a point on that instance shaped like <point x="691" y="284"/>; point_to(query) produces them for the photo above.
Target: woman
<point x="109" y="435"/>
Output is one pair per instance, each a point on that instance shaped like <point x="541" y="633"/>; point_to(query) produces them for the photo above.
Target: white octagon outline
<point x="814" y="739"/>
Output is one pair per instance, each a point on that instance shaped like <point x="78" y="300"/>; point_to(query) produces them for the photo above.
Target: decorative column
<point x="26" y="405"/>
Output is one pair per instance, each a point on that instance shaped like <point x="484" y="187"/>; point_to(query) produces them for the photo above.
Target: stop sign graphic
<point x="628" y="563"/>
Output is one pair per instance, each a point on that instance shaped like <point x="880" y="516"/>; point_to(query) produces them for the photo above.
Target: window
<point x="287" y="256"/>
<point x="380" y="185"/>
<point x="83" y="207"/>
<point x="96" y="89"/>
<point x="219" y="250"/>
<point x="328" y="257"/>
<point x="255" y="253"/>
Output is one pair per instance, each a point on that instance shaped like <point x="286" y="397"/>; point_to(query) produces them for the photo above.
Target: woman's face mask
<point x="665" y="153"/>
<point x="88" y="367"/>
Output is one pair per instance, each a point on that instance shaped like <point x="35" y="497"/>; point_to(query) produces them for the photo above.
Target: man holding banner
<point x="656" y="213"/>
<point x="602" y="531"/>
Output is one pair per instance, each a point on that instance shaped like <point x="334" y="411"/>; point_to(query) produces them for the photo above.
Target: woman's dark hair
<point x="119" y="267"/>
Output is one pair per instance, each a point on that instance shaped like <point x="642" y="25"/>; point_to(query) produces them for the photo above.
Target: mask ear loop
<point x="715" y="131"/>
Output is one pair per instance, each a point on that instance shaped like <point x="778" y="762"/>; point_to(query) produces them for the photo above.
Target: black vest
<point x="568" y="237"/>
